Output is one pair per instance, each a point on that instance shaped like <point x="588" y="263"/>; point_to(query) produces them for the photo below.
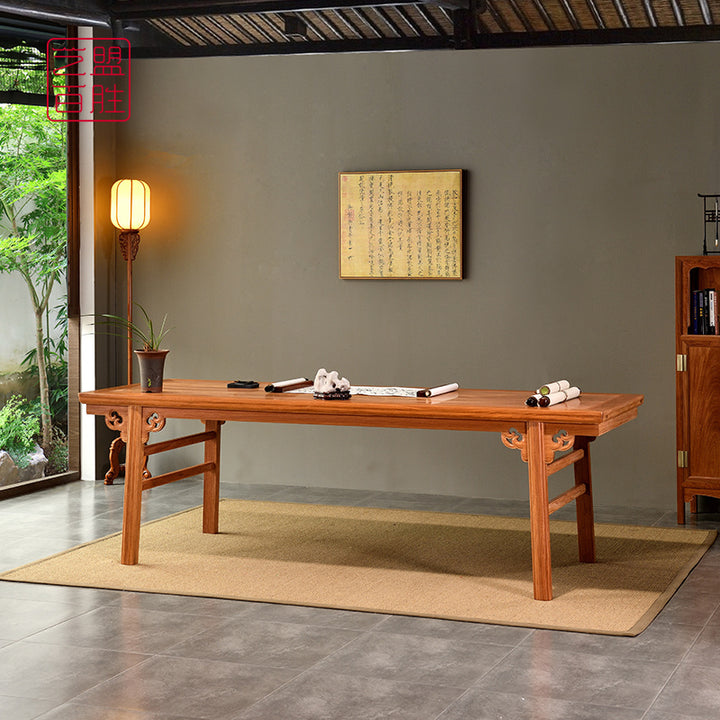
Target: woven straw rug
<point x="460" y="567"/>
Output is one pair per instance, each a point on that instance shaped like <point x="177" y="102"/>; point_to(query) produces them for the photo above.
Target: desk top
<point x="591" y="414"/>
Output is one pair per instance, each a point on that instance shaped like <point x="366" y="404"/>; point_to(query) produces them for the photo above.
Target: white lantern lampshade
<point x="130" y="204"/>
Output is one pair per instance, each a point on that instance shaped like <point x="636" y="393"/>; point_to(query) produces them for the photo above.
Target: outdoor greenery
<point x="23" y="69"/>
<point x="19" y="426"/>
<point x="56" y="364"/>
<point x="33" y="242"/>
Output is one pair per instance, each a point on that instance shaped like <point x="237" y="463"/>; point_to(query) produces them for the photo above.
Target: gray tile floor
<point x="82" y="654"/>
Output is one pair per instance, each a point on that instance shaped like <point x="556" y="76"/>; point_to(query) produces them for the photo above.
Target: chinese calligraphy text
<point x="401" y="224"/>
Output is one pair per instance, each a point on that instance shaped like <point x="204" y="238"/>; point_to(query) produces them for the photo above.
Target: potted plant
<point x="151" y="358"/>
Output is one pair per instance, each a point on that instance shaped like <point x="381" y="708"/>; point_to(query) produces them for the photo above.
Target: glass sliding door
<point x="37" y="432"/>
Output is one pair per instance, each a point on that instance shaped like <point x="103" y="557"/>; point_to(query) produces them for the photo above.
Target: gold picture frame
<point x="401" y="224"/>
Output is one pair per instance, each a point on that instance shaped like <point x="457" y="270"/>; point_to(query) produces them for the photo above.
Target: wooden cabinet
<point x="697" y="386"/>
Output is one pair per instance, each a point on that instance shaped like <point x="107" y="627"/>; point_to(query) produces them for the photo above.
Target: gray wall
<point x="583" y="166"/>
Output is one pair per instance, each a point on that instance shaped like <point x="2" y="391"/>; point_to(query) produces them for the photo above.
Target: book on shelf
<point x="704" y="312"/>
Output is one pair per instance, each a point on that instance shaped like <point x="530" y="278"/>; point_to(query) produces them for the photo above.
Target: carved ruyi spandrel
<point x="115" y="421"/>
<point x="152" y="422"/>
<point x="558" y="442"/>
<point x="515" y="440"/>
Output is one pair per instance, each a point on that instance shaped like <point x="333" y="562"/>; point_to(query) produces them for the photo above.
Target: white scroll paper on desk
<point x="379" y="391"/>
<point x="559" y="396"/>
<point x="553" y="387"/>
<point x="439" y="390"/>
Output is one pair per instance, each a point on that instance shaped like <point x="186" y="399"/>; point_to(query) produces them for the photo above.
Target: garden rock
<point x="10" y="473"/>
<point x="36" y="466"/>
<point x="8" y="470"/>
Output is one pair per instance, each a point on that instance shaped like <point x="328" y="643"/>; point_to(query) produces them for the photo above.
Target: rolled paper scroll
<point x="439" y="390"/>
<point x="533" y="400"/>
<point x="284" y="385"/>
<point x="559" y="396"/>
<point x="553" y="387"/>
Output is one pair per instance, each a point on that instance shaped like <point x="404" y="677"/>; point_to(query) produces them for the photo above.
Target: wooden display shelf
<point x="697" y="388"/>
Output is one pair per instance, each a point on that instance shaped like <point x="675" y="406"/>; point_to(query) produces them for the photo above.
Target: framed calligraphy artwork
<point x="401" y="225"/>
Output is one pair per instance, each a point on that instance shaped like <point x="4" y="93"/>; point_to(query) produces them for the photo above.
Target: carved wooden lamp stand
<point x="130" y="213"/>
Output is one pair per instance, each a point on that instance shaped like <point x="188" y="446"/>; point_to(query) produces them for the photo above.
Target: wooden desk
<point x="537" y="432"/>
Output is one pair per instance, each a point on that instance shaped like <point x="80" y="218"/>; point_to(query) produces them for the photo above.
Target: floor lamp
<point x="129" y="213"/>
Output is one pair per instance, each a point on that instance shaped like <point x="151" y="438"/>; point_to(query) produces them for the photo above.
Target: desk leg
<point x="539" y="515"/>
<point x="584" y="503"/>
<point x="211" y="478"/>
<point x="132" y="506"/>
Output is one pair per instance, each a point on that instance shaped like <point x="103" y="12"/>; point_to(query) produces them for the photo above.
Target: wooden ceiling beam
<point x="153" y="9"/>
<point x="706" y="12"/>
<point x="67" y="12"/>
<point x="695" y="33"/>
<point x="298" y="48"/>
